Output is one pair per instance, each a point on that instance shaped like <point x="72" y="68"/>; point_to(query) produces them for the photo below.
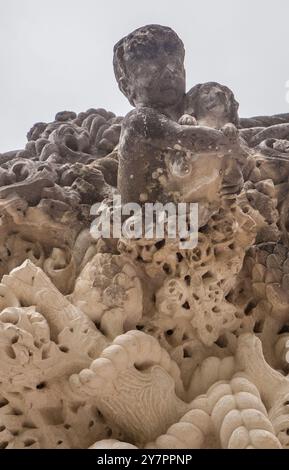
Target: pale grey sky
<point x="57" y="54"/>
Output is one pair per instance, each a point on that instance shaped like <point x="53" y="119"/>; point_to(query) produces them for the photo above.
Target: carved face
<point x="214" y="99"/>
<point x="154" y="69"/>
<point x="212" y="104"/>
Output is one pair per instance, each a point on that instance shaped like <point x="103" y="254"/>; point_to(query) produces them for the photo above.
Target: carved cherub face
<point x="149" y="67"/>
<point x="212" y="105"/>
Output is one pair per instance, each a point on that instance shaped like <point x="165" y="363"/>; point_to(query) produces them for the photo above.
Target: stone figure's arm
<point x="148" y="127"/>
<point x="148" y="137"/>
<point x="278" y="131"/>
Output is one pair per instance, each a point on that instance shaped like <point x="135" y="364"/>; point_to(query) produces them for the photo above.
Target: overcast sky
<point x="57" y="54"/>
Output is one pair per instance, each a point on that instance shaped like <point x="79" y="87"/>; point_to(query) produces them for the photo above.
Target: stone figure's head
<point x="149" y="67"/>
<point x="212" y="104"/>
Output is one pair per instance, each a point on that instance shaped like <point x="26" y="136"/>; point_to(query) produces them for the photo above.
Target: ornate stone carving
<point x="138" y="343"/>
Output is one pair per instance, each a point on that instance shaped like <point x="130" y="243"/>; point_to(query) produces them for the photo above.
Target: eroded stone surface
<point x="125" y="343"/>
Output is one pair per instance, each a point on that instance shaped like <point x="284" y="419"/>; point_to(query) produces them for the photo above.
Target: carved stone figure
<point x="133" y="342"/>
<point x="212" y="105"/>
<point x="159" y="159"/>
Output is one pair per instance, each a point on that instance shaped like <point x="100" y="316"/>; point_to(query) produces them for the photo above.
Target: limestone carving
<point x="127" y="343"/>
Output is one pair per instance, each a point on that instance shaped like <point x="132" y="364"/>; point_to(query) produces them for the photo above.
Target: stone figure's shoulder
<point x="145" y="122"/>
<point x="141" y="114"/>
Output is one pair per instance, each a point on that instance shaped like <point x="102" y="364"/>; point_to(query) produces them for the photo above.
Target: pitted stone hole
<point x="204" y="229"/>
<point x="71" y="143"/>
<point x="169" y="332"/>
<point x="14" y="339"/>
<point x="4" y="444"/>
<point x="167" y="269"/>
<point x="258" y="326"/>
<point x="2" y="428"/>
<point x="186" y="305"/>
<point x="179" y="257"/>
<point x="286" y="403"/>
<point x="196" y="297"/>
<point x="222" y="342"/>
<point x="207" y="275"/>
<point x="186" y="353"/>
<point x="90" y="424"/>
<point x="143" y="366"/>
<point x="16" y="412"/>
<point x="160" y="244"/>
<point x="209" y="328"/>
<point x="216" y="309"/>
<point x="98" y="414"/>
<point x="188" y="280"/>
<point x="41" y="385"/>
<point x="59" y="442"/>
<point x="10" y="353"/>
<point x="250" y="306"/>
<point x="284" y="329"/>
<point x="229" y="296"/>
<point x="140" y="327"/>
<point x="64" y="349"/>
<point x="29" y="442"/>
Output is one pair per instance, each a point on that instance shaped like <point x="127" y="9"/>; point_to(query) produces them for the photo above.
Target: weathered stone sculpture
<point x="212" y="105"/>
<point x="138" y="343"/>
